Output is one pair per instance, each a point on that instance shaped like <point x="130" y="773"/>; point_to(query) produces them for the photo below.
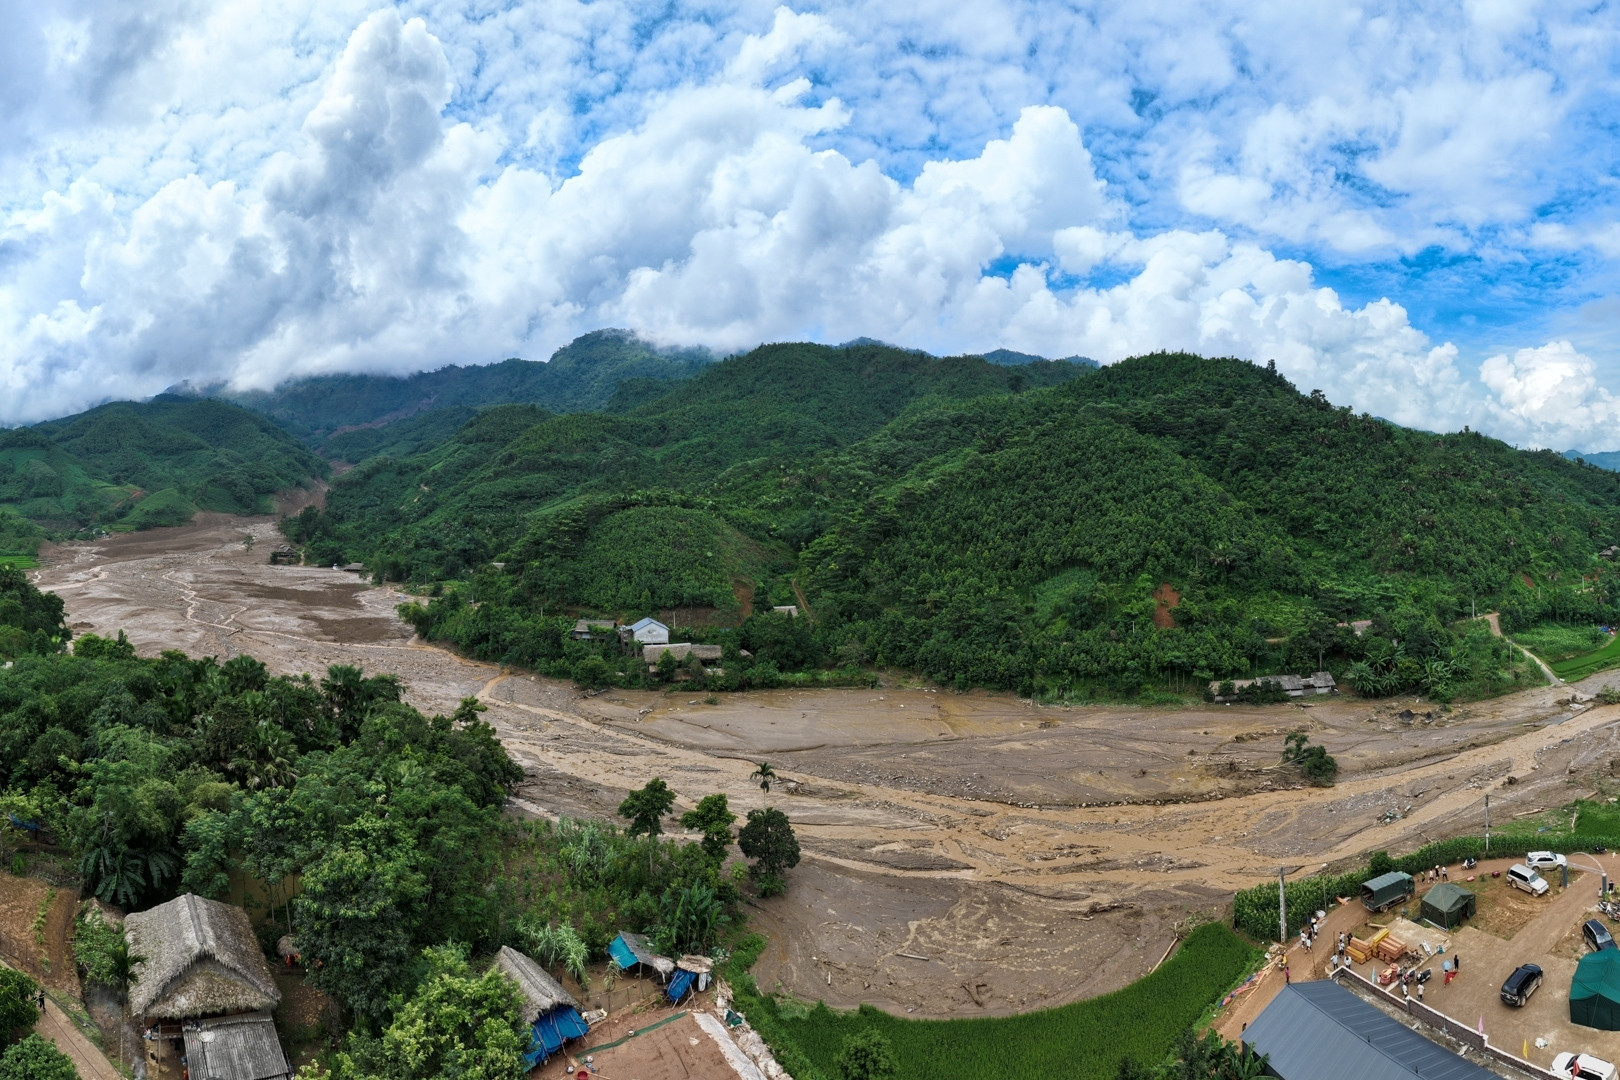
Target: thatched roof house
<point x="201" y="960"/>
<point x="236" y="1048"/>
<point x="541" y="993"/>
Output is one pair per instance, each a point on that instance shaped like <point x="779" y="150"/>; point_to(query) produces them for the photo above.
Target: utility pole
<point x="1282" y="909"/>
<point x="1487" y="824"/>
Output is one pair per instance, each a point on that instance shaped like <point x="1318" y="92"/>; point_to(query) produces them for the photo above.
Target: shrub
<point x="18" y="1012"/>
<point x="866" y="1055"/>
<point x="35" y="1059"/>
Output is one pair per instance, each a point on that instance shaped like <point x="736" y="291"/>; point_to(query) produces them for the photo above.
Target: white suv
<point x="1569" y="1066"/>
<point x="1545" y="860"/>
<point x="1522" y="877"/>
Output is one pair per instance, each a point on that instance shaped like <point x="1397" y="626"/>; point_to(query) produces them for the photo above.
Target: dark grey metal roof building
<point x="1321" y="1031"/>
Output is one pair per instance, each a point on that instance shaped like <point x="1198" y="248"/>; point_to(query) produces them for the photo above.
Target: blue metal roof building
<point x="1321" y="1031"/>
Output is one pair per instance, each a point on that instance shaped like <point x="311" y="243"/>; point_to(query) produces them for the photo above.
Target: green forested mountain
<point x="1161" y="521"/>
<point x="352" y="416"/>
<point x="133" y="465"/>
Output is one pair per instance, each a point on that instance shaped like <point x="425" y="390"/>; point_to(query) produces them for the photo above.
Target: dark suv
<point x="1597" y="935"/>
<point x="1521" y="984"/>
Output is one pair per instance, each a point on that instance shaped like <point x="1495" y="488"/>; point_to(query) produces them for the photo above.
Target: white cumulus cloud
<point x="371" y="209"/>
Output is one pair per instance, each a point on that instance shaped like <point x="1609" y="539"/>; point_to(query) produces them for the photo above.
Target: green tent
<point x="1594" y="993"/>
<point x="1447" y="904"/>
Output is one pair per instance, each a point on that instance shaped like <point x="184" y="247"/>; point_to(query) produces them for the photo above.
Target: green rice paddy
<point x="1579" y="667"/>
<point x="1573" y="652"/>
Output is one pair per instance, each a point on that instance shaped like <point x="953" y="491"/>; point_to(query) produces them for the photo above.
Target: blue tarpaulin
<point x="621" y="954"/>
<point x="551" y="1031"/>
<point x="680" y="984"/>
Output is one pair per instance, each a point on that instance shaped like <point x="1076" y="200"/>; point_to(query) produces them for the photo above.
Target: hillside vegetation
<point x="133" y="465"/>
<point x="1049" y="527"/>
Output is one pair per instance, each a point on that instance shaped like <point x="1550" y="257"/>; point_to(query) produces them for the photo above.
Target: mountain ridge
<point x="966" y="520"/>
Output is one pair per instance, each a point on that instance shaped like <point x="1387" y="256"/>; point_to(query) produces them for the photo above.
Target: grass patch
<point x="1596" y="819"/>
<point x="1579" y="667"/>
<point x="21" y="562"/>
<point x="1084" y="1040"/>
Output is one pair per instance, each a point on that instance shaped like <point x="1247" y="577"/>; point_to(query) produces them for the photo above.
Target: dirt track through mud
<point x="964" y="853"/>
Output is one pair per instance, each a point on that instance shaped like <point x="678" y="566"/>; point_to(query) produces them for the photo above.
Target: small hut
<point x="550" y="1012"/>
<point x="201" y="961"/>
<point x="690" y="972"/>
<point x="630" y="950"/>
<point x="1448" y="905"/>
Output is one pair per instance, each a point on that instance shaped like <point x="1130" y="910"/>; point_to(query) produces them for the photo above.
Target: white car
<point x="1520" y="876"/>
<point x="1545" y="860"/>
<point x="1585" y="1066"/>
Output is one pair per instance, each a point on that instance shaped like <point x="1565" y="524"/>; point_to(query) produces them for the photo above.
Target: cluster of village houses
<point x="651" y="638"/>
<point x="204" y="996"/>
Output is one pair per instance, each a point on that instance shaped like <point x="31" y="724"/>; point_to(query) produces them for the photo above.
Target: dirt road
<point x="964" y="853"/>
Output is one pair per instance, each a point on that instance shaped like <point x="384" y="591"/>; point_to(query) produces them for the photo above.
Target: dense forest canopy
<point x="1048" y="527"/>
<point x="133" y="465"/>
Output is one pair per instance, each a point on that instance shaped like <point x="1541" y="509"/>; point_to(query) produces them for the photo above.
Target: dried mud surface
<point x="1029" y="855"/>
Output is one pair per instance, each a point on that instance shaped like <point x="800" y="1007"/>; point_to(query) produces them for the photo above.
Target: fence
<point x="22" y="954"/>
<point x="1469" y="1037"/>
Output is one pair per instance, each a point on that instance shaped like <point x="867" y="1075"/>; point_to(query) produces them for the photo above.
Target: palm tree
<point x="766" y="776"/>
<point x="121" y="970"/>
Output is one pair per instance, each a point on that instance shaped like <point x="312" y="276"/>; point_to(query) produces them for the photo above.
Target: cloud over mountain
<point x="249" y="192"/>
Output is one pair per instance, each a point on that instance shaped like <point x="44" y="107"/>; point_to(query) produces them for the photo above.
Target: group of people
<point x="1436" y="873"/>
<point x="1308" y="932"/>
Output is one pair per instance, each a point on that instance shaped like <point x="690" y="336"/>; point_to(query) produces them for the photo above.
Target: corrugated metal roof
<point x="236" y="1048"/>
<point x="1321" y="1031"/>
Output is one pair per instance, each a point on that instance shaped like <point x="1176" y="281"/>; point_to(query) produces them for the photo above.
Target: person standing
<point x="1420" y="993"/>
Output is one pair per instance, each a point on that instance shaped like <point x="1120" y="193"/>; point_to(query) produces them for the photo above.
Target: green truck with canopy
<point x="1386" y="889"/>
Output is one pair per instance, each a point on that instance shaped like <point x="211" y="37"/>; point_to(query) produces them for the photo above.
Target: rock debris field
<point x="964" y="853"/>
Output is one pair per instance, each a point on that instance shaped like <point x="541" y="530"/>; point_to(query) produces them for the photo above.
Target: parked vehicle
<point x="1470" y="862"/>
<point x="1585" y="1066"/>
<point x="1386" y="890"/>
<point x="1521" y="984"/>
<point x="1611" y="908"/>
<point x="1521" y="876"/>
<point x="1597" y="935"/>
<point x="1544" y="860"/>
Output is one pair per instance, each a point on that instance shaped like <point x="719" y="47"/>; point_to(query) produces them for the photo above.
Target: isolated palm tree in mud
<point x="766" y="776"/>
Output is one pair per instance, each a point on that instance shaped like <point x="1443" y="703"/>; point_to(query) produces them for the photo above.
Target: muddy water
<point x="964" y="853"/>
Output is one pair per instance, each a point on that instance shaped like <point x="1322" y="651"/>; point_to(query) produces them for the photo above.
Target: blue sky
<point x="1411" y="206"/>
